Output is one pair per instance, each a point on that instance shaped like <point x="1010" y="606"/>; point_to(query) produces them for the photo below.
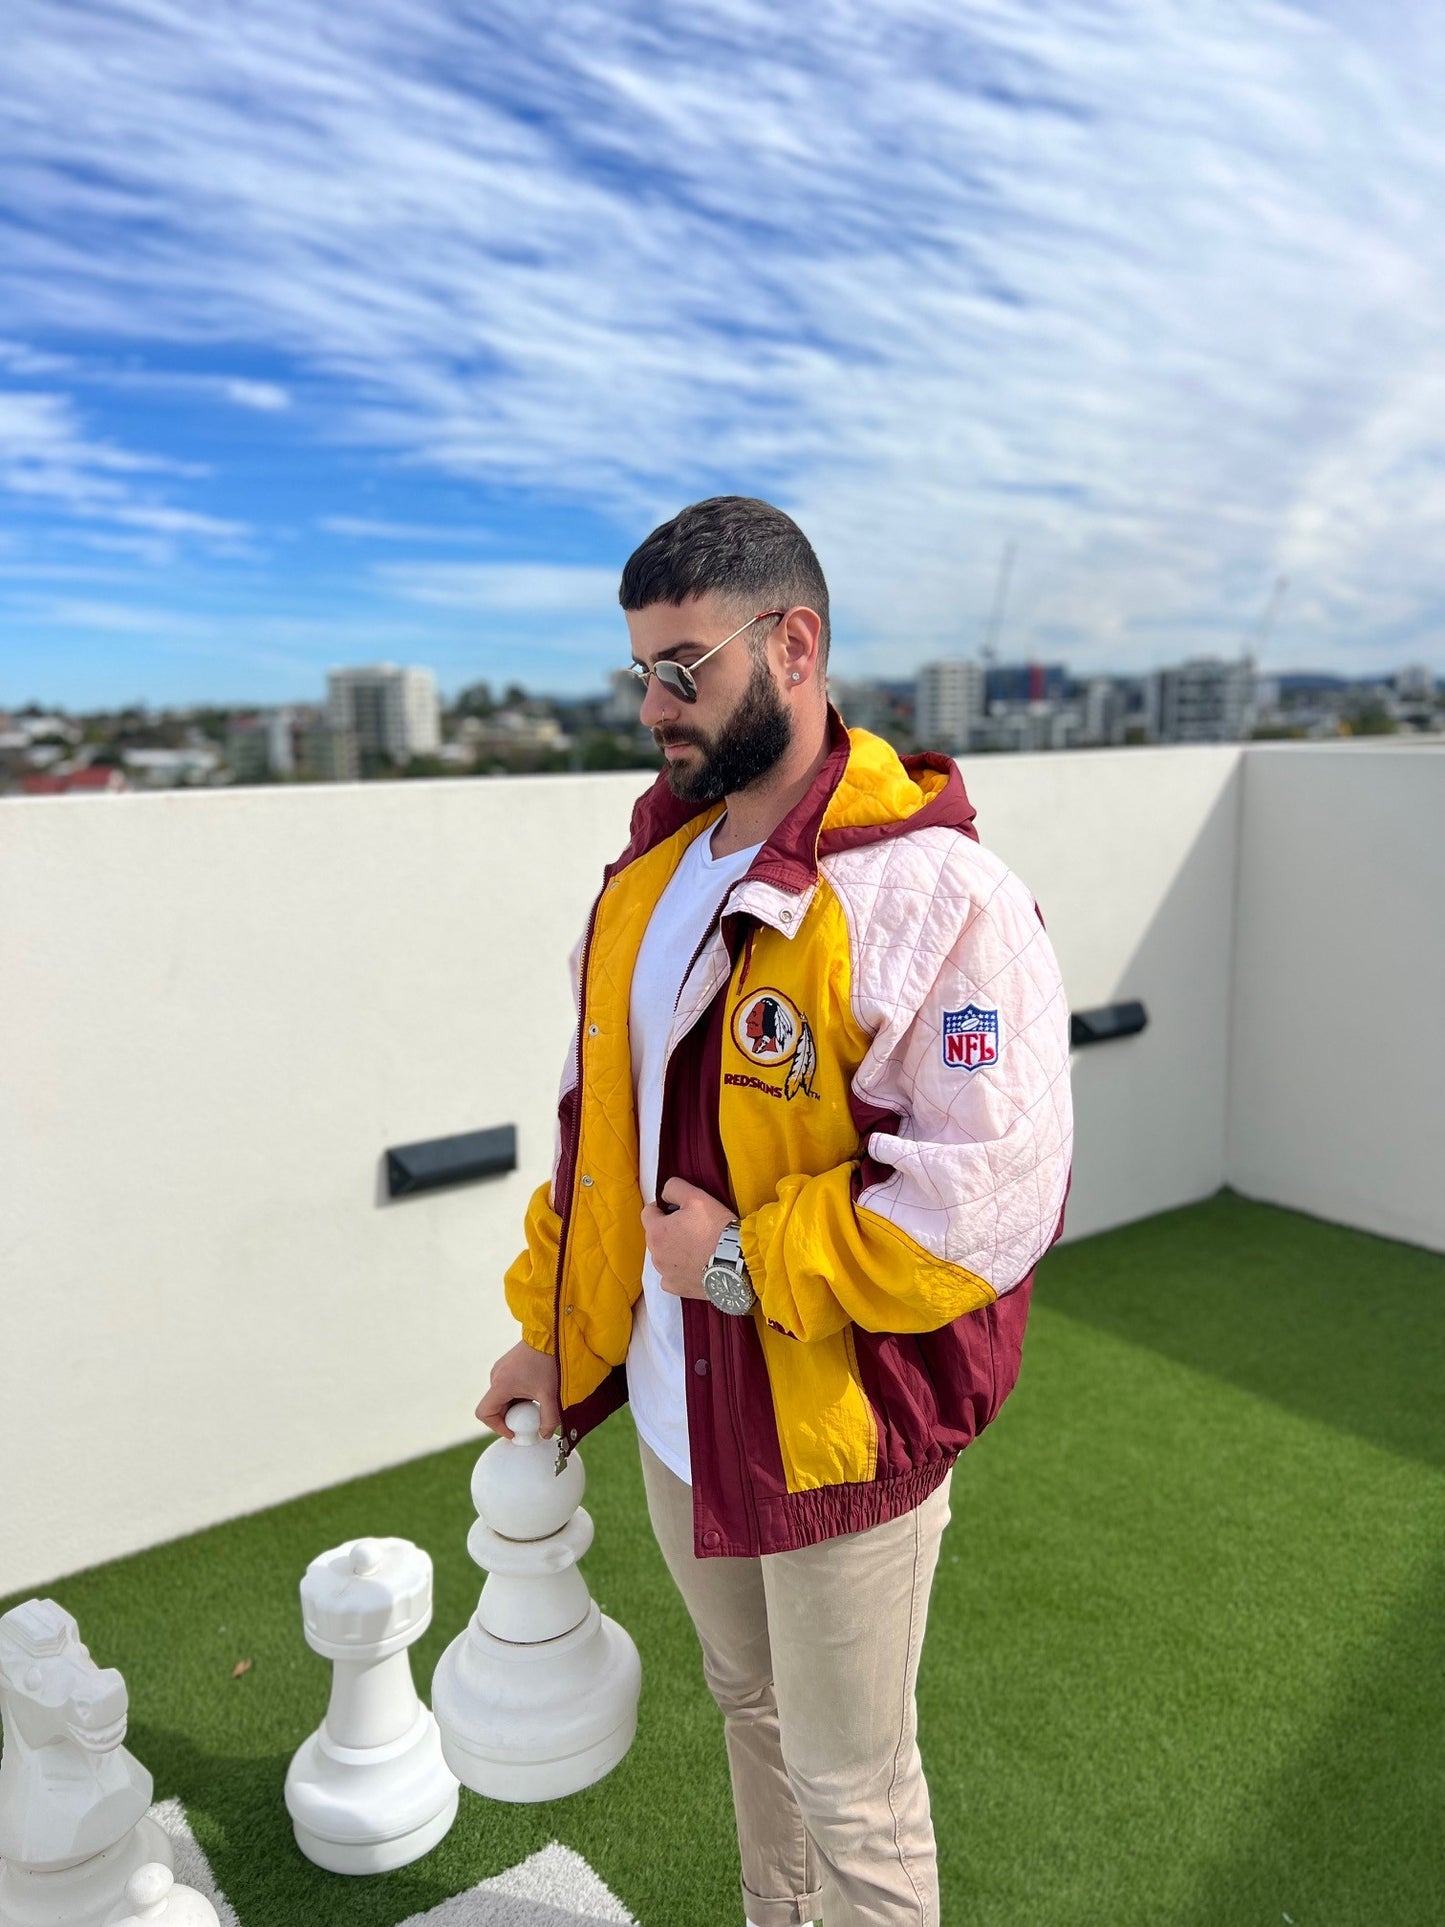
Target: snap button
<point x="569" y="1311"/>
<point x="711" y="1538"/>
<point x="786" y="915"/>
<point x="699" y="1365"/>
<point x="585" y="1179"/>
<point x="592" y="1030"/>
<point x="573" y="1434"/>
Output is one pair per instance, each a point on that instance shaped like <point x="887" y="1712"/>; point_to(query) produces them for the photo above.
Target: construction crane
<point x="1254" y="639"/>
<point x="1000" y="600"/>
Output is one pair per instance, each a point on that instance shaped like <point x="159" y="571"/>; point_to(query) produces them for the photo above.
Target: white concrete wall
<point x="218" y="1009"/>
<point x="1337" y="1065"/>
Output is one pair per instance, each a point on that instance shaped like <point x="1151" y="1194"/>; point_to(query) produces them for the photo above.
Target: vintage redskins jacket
<point x="869" y="1059"/>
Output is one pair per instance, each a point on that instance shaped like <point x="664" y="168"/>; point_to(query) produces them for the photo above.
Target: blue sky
<point x="336" y="335"/>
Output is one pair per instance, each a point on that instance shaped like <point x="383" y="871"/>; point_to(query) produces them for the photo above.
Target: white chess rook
<point x="369" y="1790"/>
<point x="73" y="1801"/>
<point x="152" y="1894"/>
<point x="537" y="1698"/>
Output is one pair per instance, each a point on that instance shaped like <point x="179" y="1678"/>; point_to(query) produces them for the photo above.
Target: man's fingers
<point x="522" y="1374"/>
<point x="492" y="1412"/>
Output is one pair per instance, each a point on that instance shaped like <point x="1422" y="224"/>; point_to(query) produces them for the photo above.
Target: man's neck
<point x="754" y="813"/>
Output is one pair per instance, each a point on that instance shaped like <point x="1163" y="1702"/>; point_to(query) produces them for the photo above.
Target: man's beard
<point x="751" y="742"/>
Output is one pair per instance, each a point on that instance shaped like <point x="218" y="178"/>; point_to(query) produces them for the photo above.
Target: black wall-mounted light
<point x="450" y="1160"/>
<point x="1108" y="1021"/>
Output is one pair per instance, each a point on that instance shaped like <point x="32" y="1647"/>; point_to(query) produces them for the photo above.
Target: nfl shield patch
<point x="971" y="1039"/>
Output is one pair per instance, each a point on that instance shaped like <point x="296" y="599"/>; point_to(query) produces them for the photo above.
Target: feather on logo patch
<point x="770" y="1032"/>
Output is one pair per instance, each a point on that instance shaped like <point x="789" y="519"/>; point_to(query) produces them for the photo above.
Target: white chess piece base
<point x="525" y="1723"/>
<point x="82" y="1895"/>
<point x="371" y="1809"/>
<point x="372" y="1856"/>
<point x="523" y="1782"/>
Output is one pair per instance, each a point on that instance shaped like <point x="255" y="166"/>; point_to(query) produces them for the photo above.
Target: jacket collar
<point x="863" y="792"/>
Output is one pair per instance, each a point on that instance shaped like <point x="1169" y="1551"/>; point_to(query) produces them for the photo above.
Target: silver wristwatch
<point x="726" y="1279"/>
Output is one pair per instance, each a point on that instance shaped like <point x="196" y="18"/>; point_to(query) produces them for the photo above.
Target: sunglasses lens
<point x="677" y="678"/>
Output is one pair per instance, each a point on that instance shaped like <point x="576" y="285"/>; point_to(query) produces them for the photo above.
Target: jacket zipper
<point x="702" y="943"/>
<point x="564" y="1444"/>
<point x="727" y="1342"/>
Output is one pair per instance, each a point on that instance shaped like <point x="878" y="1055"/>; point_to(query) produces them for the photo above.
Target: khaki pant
<point x="812" y="1657"/>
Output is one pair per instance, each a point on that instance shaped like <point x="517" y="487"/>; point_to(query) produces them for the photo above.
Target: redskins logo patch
<point x="770" y="1031"/>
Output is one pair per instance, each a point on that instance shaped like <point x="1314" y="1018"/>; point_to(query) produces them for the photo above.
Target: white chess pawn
<point x="152" y="1893"/>
<point x="369" y="1790"/>
<point x="73" y="1800"/>
<point x="538" y="1697"/>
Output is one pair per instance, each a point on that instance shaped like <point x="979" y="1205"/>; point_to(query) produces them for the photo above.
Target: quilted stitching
<point x="980" y="1160"/>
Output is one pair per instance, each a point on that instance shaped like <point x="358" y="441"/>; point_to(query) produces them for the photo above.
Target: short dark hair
<point x="733" y="546"/>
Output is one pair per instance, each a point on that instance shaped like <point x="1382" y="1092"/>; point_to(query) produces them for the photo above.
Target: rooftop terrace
<point x="1186" y="1653"/>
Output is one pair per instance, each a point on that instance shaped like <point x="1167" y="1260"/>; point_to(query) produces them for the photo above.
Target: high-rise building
<point x="1415" y="683"/>
<point x="948" y="702"/>
<point x="1025" y="682"/>
<point x="623" y="706"/>
<point x="261" y="745"/>
<point x="247" y="749"/>
<point x="1204" y="700"/>
<point x="330" y="754"/>
<point x="1028" y="726"/>
<point x="281" y="741"/>
<point x="386" y="708"/>
<point x="1105" y="706"/>
<point x="863" y="705"/>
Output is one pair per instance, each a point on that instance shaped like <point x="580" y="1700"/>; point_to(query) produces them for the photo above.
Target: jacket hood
<point x="864" y="792"/>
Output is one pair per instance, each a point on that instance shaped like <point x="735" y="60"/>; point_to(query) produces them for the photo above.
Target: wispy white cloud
<point x="19" y="358"/>
<point x="267" y="397"/>
<point x="513" y="588"/>
<point x="1157" y="292"/>
<point x="48" y="459"/>
<point x="240" y="391"/>
<point x="362" y="528"/>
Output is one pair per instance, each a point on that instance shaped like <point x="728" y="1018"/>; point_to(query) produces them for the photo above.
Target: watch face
<point x="729" y="1290"/>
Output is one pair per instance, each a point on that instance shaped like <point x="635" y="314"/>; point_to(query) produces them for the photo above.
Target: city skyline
<point x="15" y="702"/>
<point x="390" y="338"/>
<point x="382" y="720"/>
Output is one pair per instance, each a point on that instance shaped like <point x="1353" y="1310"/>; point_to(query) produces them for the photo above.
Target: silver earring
<point x="796" y="676"/>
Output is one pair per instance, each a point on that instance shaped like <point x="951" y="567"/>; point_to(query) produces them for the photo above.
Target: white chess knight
<point x="537" y="1698"/>
<point x="369" y="1790"/>
<point x="73" y="1801"/>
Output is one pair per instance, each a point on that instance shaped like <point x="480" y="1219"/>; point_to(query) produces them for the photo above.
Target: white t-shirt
<point x="656" y="1367"/>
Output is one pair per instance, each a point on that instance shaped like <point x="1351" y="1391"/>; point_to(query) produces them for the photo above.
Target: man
<point x="814" y="1136"/>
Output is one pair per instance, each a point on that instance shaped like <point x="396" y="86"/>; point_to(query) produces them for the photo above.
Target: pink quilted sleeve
<point x="957" y="979"/>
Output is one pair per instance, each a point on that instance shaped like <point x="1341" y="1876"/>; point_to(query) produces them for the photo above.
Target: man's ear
<point x="797" y="643"/>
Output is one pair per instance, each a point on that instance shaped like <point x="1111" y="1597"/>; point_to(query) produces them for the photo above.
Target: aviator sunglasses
<point x="678" y="677"/>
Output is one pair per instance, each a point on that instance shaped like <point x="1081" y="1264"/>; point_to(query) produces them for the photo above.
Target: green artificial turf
<point x="1185" y="1655"/>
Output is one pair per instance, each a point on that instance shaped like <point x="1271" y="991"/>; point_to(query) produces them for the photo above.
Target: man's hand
<point x="681" y="1242"/>
<point x="522" y="1373"/>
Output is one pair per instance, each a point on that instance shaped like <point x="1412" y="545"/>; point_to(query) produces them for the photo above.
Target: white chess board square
<point x="552" y="1888"/>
